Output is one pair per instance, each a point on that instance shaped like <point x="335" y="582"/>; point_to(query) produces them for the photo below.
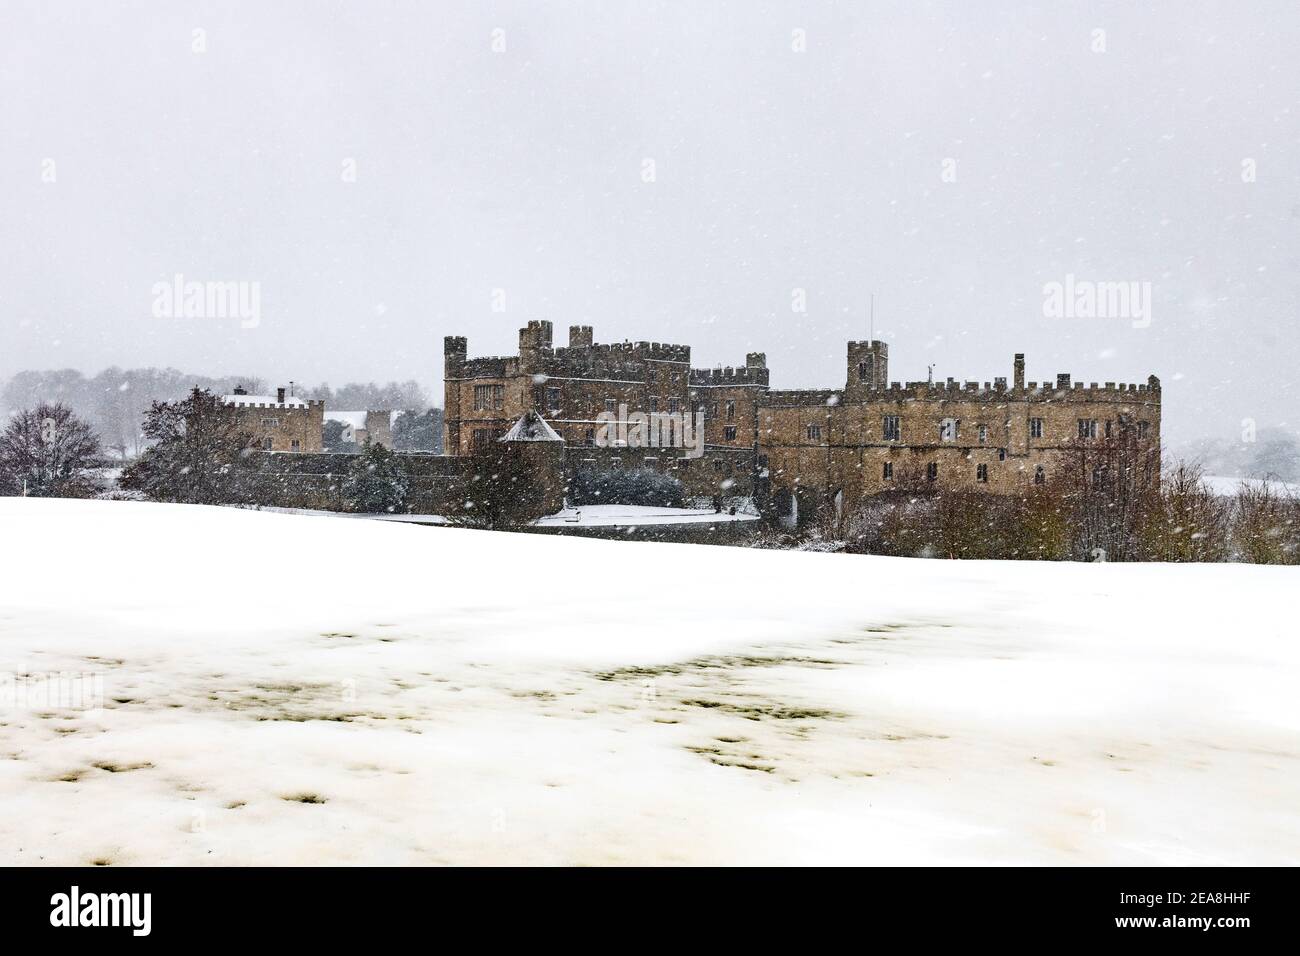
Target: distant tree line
<point x="413" y="430"/>
<point x="115" y="401"/>
<point x="1269" y="453"/>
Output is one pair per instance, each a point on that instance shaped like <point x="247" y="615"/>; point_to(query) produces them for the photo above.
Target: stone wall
<point x="439" y="484"/>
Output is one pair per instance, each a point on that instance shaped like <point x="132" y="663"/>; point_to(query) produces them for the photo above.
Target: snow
<point x="1228" y="486"/>
<point x="320" y="513"/>
<point x="531" y="427"/>
<point x="586" y="516"/>
<point x="478" y="697"/>
<point x="290" y="401"/>
<point x="600" y="516"/>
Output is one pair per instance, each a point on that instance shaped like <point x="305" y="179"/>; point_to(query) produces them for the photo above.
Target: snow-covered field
<point x="454" y="696"/>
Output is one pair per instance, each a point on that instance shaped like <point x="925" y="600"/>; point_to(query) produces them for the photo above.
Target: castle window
<point x="888" y="474"/>
<point x="483" y="437"/>
<point x="295" y="445"/>
<point x="731" y="411"/>
<point x="1108" y="428"/>
<point x="674" y="405"/>
<point x="654" y="404"/>
<point x="864" y="372"/>
<point x="891" y="430"/>
<point x="981" y="472"/>
<point x="270" y="423"/>
<point x="1035" y="428"/>
<point x="713" y="409"/>
<point x="814" y="433"/>
<point x="552" y="397"/>
<point x="1002" y="454"/>
<point x="266" y="444"/>
<point x="729" y="433"/>
<point x="948" y="429"/>
<point x="591" y="436"/>
<point x="984" y="434"/>
<point x="1087" y="428"/>
<point x="488" y="397"/>
<point x="1040" y="476"/>
<point x="1142" y="429"/>
<point x="611" y="406"/>
<point x="932" y="471"/>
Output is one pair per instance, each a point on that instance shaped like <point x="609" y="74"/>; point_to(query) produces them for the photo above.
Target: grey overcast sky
<point x="1165" y="149"/>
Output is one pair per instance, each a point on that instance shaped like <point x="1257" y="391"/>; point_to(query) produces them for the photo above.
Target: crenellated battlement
<point x="644" y="351"/>
<point x="794" y="398"/>
<point x="722" y="377"/>
<point x="311" y="405"/>
<point x="994" y="392"/>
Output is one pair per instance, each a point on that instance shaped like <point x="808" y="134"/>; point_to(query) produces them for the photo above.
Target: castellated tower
<point x="868" y="368"/>
<point x="455" y="349"/>
<point x="534" y="340"/>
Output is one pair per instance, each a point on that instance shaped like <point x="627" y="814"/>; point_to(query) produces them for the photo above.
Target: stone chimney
<point x="1019" y="371"/>
<point x="279" y="396"/>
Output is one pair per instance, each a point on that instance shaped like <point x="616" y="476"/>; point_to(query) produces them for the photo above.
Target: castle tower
<point x="868" y="369"/>
<point x="455" y="349"/>
<point x="580" y="337"/>
<point x="534" y="339"/>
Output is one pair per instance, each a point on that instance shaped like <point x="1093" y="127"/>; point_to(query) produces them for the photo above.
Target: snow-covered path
<point x="453" y="696"/>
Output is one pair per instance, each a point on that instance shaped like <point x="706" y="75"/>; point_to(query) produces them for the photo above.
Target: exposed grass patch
<point x="719" y="662"/>
<point x="760" y="711"/>
<point x="535" y="694"/>
<point x="115" y="767"/>
<point x="741" y="765"/>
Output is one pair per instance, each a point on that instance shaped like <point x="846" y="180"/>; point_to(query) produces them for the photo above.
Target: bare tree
<point x="1187" y="520"/>
<point x="1266" y="525"/>
<point x="47" y="451"/>
<point x="1108" y="485"/>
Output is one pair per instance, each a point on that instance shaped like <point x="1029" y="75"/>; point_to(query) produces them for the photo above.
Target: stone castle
<point x="796" y="450"/>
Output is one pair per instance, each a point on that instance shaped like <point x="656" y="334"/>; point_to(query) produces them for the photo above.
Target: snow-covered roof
<point x="531" y="427"/>
<point x="290" y="401"/>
